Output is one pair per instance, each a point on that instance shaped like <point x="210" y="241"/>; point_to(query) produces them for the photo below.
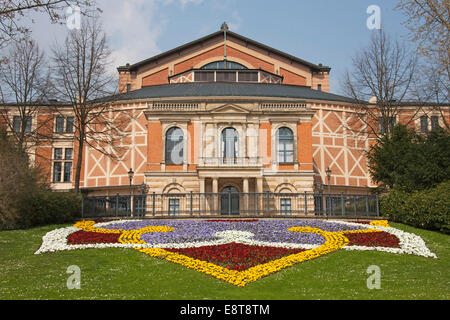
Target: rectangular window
<point x="225" y="76"/>
<point x="17" y="124"/>
<point x="69" y="124"/>
<point x="28" y="125"/>
<point x="204" y="76"/>
<point x="59" y="125"/>
<point x="58" y="154"/>
<point x="68" y="154"/>
<point x="174" y="207"/>
<point x="286" y="152"/>
<point x="285" y="206"/>
<point x="248" y="76"/>
<point x="62" y="165"/>
<point x="434" y="122"/>
<point x="424" y="123"/>
<point x="319" y="87"/>
<point x="381" y="127"/>
<point x="67" y="172"/>
<point x="57" y="168"/>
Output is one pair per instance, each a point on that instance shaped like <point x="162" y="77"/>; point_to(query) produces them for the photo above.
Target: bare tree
<point x="13" y="14"/>
<point x="429" y="23"/>
<point x="383" y="74"/>
<point x="81" y="78"/>
<point x="25" y="82"/>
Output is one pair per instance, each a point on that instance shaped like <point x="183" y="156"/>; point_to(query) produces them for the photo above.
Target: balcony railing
<point x="230" y="161"/>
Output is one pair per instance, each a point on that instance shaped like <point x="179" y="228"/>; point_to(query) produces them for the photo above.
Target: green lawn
<point x="128" y="274"/>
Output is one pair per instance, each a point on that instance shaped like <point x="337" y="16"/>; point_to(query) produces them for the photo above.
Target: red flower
<point x="373" y="239"/>
<point x="236" y="256"/>
<point x="84" y="237"/>
<point x="362" y="221"/>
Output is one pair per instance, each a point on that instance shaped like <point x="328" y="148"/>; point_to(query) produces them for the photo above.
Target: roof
<point x="220" y="33"/>
<point x="233" y="89"/>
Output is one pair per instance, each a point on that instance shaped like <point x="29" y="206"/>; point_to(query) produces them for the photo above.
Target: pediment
<point x="230" y="108"/>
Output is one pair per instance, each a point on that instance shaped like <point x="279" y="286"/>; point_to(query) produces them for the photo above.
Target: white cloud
<point x="235" y="24"/>
<point x="133" y="28"/>
<point x="186" y="2"/>
<point x="182" y="2"/>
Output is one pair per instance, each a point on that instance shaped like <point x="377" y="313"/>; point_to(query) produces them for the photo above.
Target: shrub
<point x="25" y="197"/>
<point x="17" y="178"/>
<point x="427" y="209"/>
<point x="409" y="161"/>
<point x="47" y="207"/>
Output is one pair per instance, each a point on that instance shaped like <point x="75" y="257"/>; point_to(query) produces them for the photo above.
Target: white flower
<point x="409" y="243"/>
<point x="56" y="240"/>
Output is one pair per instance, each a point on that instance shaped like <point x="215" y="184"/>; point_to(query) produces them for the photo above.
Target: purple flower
<point x="263" y="230"/>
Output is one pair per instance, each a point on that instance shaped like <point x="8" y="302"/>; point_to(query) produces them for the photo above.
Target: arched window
<point x="174" y="146"/>
<point x="230" y="145"/>
<point x="285" y="145"/>
<point x="224" y="64"/>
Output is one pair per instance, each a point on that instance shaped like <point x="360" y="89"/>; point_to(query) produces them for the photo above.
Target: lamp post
<point x="130" y="176"/>
<point x="328" y="172"/>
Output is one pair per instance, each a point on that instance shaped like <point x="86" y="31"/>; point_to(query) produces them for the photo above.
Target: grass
<point x="116" y="273"/>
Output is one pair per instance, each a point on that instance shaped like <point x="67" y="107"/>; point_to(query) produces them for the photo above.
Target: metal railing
<point x="113" y="206"/>
<point x="198" y="205"/>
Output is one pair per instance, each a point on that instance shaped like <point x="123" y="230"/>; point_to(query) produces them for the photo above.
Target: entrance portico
<point x="229" y="182"/>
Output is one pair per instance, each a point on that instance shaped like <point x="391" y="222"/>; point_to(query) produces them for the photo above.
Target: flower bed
<point x="237" y="251"/>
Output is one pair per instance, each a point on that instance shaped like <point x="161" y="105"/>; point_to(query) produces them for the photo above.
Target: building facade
<point x="222" y="114"/>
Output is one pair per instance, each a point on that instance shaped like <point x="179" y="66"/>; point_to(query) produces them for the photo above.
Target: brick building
<point x="223" y="114"/>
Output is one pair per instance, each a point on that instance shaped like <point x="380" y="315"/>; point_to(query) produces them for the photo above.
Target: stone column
<point x="201" y="198"/>
<point x="259" y="185"/>
<point x="245" y="197"/>
<point x="259" y="190"/>
<point x="215" y="190"/>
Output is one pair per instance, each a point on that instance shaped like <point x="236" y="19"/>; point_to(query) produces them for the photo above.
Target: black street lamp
<point x="130" y="176"/>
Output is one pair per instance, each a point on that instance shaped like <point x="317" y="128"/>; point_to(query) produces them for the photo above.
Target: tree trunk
<point x="78" y="167"/>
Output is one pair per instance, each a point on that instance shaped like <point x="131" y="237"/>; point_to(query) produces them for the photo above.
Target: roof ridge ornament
<point x="224" y="27"/>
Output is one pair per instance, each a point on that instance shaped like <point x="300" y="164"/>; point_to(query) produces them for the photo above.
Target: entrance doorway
<point x="229" y="201"/>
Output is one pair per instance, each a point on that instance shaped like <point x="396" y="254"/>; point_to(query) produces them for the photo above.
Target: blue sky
<point x="320" y="31"/>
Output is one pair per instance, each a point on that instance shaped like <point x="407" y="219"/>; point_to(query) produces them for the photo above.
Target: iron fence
<point x="231" y="204"/>
<point x="113" y="206"/>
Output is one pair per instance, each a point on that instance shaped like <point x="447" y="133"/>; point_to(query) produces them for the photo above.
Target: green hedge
<point x="427" y="209"/>
<point x="47" y="207"/>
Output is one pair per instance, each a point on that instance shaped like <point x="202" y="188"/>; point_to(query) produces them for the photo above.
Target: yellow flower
<point x="381" y="223"/>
